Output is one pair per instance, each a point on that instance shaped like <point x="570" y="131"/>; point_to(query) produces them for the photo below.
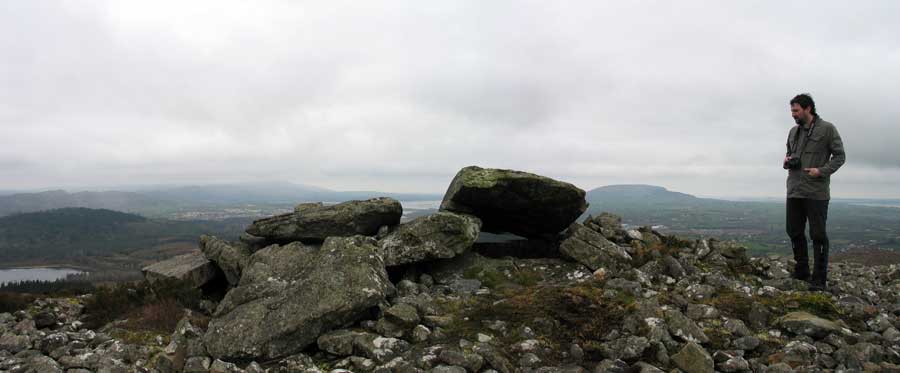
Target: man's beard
<point x="799" y="120"/>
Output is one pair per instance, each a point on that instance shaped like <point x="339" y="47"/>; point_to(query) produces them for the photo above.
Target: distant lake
<point x="43" y="274"/>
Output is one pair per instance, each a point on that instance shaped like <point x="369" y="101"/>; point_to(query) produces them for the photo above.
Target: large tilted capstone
<point x="289" y="295"/>
<point x="439" y="236"/>
<point x="313" y="222"/>
<point x="516" y="202"/>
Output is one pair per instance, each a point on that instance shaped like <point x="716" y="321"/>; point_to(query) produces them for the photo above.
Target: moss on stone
<point x="482" y="178"/>
<point x="138" y="337"/>
<point x="493" y="277"/>
<point x="815" y="303"/>
<point x="731" y="304"/>
<point x="719" y="338"/>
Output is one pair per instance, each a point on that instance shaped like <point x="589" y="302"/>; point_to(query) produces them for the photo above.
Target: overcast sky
<point x="399" y="95"/>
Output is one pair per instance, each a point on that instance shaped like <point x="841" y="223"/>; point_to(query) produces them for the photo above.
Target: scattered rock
<point x="694" y="359"/>
<point x="593" y="250"/>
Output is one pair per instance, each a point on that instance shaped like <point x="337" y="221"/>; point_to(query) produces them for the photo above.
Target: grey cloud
<point x="393" y="95"/>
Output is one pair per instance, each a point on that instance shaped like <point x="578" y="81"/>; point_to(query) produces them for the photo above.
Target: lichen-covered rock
<point x="627" y="349"/>
<point x="403" y="314"/>
<point x="337" y="342"/>
<point x="590" y="248"/>
<point x="694" y="359"/>
<point x="612" y="366"/>
<point x="517" y="202"/>
<point x="379" y="348"/>
<point x="231" y="259"/>
<point x="438" y="236"/>
<point x="804" y="323"/>
<point x="856" y="355"/>
<point x="289" y="295"/>
<point x="315" y="222"/>
<point x="192" y="268"/>
<point x="42" y="364"/>
<point x="684" y="328"/>
<point x="14" y="343"/>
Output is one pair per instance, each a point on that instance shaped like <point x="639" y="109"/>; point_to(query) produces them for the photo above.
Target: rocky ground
<point x="424" y="297"/>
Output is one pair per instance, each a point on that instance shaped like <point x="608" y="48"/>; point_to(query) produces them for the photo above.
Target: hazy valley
<point x="119" y="232"/>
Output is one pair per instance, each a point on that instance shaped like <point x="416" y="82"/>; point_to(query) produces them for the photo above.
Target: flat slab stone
<point x="193" y="268"/>
<point x="803" y="323"/>
<point x="314" y="222"/>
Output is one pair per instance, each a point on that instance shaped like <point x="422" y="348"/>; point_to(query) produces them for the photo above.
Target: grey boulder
<point x="694" y="359"/>
<point x="516" y="202"/>
<point x="289" y="295"/>
<point x="192" y="268"/>
<point x="230" y="258"/>
<point x="438" y="236"/>
<point x="313" y="222"/>
<point x="592" y="249"/>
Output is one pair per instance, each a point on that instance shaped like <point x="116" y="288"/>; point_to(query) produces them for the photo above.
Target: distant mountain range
<point x="54" y="199"/>
<point x="154" y="201"/>
<point x="637" y="194"/>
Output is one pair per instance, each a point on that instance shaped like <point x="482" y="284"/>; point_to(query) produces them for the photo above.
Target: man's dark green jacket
<point x="820" y="148"/>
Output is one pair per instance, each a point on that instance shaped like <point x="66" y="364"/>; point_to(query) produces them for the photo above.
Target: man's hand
<point x="813" y="172"/>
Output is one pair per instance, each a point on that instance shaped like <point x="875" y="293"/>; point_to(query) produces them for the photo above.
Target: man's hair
<point x="805" y="101"/>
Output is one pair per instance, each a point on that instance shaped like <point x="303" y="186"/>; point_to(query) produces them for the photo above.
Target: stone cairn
<point x="349" y="288"/>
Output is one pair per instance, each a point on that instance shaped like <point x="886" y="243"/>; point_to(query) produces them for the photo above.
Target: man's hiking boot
<point x="800" y="273"/>
<point x="817" y="283"/>
<point x="800" y="276"/>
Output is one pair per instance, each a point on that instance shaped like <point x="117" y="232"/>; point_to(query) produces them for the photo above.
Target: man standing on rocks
<point x="814" y="152"/>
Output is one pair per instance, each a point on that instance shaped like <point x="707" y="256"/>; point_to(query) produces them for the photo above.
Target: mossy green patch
<point x="719" y="338"/>
<point x="493" y="277"/>
<point x="139" y="337"/>
<point x="732" y="304"/>
<point x="483" y="178"/>
<point x="560" y="315"/>
<point x="815" y="303"/>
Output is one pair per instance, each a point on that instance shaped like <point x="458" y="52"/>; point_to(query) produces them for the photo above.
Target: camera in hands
<point x="792" y="163"/>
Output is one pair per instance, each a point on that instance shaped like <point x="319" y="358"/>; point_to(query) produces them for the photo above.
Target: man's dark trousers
<point x="799" y="211"/>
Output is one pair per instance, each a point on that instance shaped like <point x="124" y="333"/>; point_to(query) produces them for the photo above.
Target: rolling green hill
<point x="78" y="232"/>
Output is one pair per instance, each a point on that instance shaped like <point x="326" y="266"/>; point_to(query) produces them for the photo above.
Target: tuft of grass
<point x="139" y="337"/>
<point x="153" y="304"/>
<point x="162" y="316"/>
<point x="815" y="303"/>
<point x="494" y="278"/>
<point x="732" y="304"/>
<point x="11" y="302"/>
